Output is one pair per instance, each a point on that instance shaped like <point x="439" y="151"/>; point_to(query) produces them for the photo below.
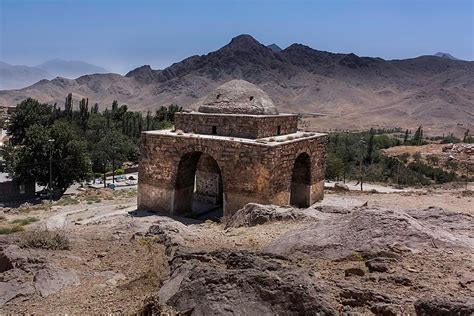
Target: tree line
<point x="359" y="155"/>
<point x="79" y="143"/>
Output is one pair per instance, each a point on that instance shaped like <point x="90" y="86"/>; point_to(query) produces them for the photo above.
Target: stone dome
<point x="238" y="97"/>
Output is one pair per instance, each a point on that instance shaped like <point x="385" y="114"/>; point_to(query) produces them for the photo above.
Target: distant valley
<point x="352" y="91"/>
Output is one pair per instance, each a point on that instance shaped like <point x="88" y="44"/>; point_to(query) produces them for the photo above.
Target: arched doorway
<point x="300" y="193"/>
<point x="198" y="191"/>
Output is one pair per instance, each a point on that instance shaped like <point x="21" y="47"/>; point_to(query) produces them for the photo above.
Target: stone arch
<point x="300" y="185"/>
<point x="198" y="186"/>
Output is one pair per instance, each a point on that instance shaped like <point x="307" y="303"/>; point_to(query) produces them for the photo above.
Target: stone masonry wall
<point x="245" y="126"/>
<point x="251" y="172"/>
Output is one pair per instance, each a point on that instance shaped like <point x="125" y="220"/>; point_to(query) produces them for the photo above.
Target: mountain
<point x="275" y="48"/>
<point x="70" y="68"/>
<point x="446" y="55"/>
<point x="353" y="91"/>
<point x="16" y="77"/>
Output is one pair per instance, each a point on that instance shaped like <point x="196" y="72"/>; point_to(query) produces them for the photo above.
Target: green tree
<point x="84" y="113"/>
<point x="370" y="147"/>
<point x="405" y="138"/>
<point x="466" y="136"/>
<point x="28" y="113"/>
<point x="68" y="107"/>
<point x="30" y="161"/>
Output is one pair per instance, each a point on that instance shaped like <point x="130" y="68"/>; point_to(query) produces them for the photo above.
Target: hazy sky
<point x="120" y="35"/>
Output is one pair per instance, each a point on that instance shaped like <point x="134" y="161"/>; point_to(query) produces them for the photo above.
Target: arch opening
<point x="300" y="191"/>
<point x="198" y="191"/>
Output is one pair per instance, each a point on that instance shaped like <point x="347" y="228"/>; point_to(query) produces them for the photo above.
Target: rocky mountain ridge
<point x="353" y="91"/>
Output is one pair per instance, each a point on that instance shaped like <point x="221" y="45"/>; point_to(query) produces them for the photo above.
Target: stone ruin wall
<point x="245" y="126"/>
<point x="251" y="172"/>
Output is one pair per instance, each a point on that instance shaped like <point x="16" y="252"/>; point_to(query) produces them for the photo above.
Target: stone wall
<point x="245" y="126"/>
<point x="251" y="171"/>
<point x="208" y="181"/>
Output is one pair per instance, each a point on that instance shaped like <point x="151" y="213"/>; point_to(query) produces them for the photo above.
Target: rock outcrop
<point x="369" y="230"/>
<point x="241" y="283"/>
<point x="23" y="274"/>
<point x="254" y="214"/>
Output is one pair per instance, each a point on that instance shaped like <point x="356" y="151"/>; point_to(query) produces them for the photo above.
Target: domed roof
<point x="238" y="97"/>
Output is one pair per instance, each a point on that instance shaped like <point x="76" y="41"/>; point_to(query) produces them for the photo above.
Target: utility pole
<point x="51" y="141"/>
<point x="345" y="159"/>
<point x="360" y="162"/>
<point x="113" y="164"/>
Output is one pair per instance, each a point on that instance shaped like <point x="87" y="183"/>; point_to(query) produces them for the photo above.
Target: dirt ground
<point x="120" y="265"/>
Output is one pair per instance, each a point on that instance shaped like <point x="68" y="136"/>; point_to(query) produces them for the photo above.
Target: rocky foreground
<point x="264" y="260"/>
<point x="365" y="260"/>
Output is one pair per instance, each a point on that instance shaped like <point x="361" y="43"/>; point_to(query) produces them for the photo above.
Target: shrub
<point x="417" y="156"/>
<point x="67" y="200"/>
<point x="45" y="239"/>
<point x="10" y="229"/>
<point x="24" y="221"/>
<point x="119" y="171"/>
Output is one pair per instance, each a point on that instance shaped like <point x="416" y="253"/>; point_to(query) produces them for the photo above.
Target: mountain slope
<point x="16" y="77"/>
<point x="354" y="92"/>
<point x="70" y="68"/>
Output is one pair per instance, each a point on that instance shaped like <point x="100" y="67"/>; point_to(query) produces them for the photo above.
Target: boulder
<point x="358" y="297"/>
<point x="354" y="271"/>
<point x="340" y="187"/>
<point x="51" y="278"/>
<point x="438" y="306"/>
<point x="12" y="257"/>
<point x="379" y="264"/>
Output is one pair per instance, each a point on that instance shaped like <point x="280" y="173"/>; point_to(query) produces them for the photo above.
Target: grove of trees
<point x="81" y="143"/>
<point x="347" y="150"/>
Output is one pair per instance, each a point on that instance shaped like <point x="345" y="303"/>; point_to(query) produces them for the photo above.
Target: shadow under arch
<point x="198" y="188"/>
<point x="300" y="187"/>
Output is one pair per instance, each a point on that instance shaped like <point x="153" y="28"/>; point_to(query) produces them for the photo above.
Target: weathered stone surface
<point x="23" y="274"/>
<point x="384" y="309"/>
<point x="254" y="214"/>
<point x="51" y="278"/>
<point x="375" y="230"/>
<point x="438" y="306"/>
<point x="12" y="289"/>
<point x="11" y="257"/>
<point x="354" y="271"/>
<point x="241" y="283"/>
<point x="232" y="125"/>
<point x="378" y="264"/>
<point x="238" y="97"/>
<point x="354" y="296"/>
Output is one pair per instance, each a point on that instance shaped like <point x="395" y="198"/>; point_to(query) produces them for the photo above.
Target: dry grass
<point x="45" y="239"/>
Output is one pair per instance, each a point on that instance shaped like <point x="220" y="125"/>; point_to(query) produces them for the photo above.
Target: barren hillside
<point x="354" y="92"/>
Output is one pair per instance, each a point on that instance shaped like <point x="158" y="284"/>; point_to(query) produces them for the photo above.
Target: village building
<point x="234" y="150"/>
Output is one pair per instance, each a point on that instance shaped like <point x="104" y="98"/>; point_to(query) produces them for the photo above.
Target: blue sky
<point x="120" y="35"/>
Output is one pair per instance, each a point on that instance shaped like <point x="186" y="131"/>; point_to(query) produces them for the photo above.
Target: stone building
<point x="236" y="149"/>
